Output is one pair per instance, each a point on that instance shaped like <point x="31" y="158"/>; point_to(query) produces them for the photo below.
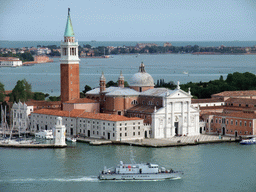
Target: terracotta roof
<point x="42" y="103"/>
<point x="211" y="100"/>
<point x="239" y="115"/>
<point x="142" y="109"/>
<point x="81" y="100"/>
<point x="236" y="93"/>
<point x="241" y="101"/>
<point x="82" y="114"/>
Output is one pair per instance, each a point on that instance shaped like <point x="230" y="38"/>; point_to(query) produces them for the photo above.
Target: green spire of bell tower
<point x="69" y="29"/>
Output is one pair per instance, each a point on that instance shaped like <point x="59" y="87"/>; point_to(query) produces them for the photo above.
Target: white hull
<point x="143" y="176"/>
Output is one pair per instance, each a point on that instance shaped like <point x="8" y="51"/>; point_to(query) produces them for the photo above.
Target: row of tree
<point x="27" y="56"/>
<point x="23" y="92"/>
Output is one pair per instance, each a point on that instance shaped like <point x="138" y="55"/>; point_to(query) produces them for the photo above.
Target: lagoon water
<point x="170" y="67"/>
<point x="211" y="167"/>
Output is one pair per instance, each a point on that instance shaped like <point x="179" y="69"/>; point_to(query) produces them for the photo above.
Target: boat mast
<point x="2" y="119"/>
<point x="5" y="122"/>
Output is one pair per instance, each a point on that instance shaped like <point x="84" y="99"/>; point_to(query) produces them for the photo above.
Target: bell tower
<point x="121" y="80"/>
<point x="69" y="67"/>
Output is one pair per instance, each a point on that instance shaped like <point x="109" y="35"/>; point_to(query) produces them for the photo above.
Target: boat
<point x="248" y="141"/>
<point x="46" y="134"/>
<point x="71" y="139"/>
<point x="140" y="171"/>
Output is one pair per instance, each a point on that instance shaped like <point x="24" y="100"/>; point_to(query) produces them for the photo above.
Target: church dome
<point x="142" y="79"/>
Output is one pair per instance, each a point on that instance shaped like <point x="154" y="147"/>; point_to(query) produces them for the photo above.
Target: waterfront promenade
<point x="171" y="142"/>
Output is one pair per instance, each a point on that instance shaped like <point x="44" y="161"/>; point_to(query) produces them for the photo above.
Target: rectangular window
<point x="240" y="123"/>
<point x="236" y="122"/>
<point x="245" y="123"/>
<point x="250" y="124"/>
<point x="138" y="133"/>
<point x="120" y="129"/>
<point x="231" y="122"/>
<point x="227" y="121"/>
<point x="120" y="134"/>
<point x="125" y="134"/>
<point x="133" y="133"/>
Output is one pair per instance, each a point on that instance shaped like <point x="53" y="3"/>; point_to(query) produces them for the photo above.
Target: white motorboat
<point x="141" y="171"/>
<point x="248" y="141"/>
<point x="46" y="134"/>
<point x="71" y="139"/>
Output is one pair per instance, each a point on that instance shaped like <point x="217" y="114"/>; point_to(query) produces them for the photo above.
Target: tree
<point x="87" y="46"/>
<point x="27" y="56"/>
<point x="86" y="88"/>
<point x="22" y="91"/>
<point x="2" y="92"/>
<point x="39" y="96"/>
<point x="111" y="83"/>
<point x="54" y="98"/>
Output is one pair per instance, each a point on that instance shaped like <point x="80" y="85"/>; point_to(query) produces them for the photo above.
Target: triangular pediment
<point x="178" y="93"/>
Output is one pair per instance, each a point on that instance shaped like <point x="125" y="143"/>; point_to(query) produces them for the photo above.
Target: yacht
<point x="248" y="141"/>
<point x="71" y="139"/>
<point x="46" y="134"/>
<point x="140" y="171"/>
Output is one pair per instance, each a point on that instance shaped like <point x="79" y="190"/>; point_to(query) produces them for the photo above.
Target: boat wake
<point x="74" y="179"/>
<point x="68" y="179"/>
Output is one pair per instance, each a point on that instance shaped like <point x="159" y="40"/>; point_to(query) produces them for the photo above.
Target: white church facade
<point x="176" y="117"/>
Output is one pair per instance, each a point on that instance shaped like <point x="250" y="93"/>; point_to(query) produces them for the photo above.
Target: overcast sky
<point x="129" y="20"/>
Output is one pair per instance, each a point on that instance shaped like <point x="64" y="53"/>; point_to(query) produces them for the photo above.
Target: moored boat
<point x="46" y="134"/>
<point x="71" y="139"/>
<point x="248" y="141"/>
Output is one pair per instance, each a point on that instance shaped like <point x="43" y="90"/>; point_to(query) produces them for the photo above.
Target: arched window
<point x="134" y="102"/>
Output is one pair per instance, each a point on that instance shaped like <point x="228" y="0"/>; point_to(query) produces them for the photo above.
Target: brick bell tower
<point x="69" y="67"/>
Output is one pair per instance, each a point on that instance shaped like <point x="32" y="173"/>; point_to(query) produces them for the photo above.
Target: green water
<point x="212" y="167"/>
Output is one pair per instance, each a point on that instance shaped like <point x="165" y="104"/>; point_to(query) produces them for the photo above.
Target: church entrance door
<point x="176" y="125"/>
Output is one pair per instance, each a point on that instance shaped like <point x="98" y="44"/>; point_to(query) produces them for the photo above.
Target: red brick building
<point x="69" y="67"/>
<point x="236" y="118"/>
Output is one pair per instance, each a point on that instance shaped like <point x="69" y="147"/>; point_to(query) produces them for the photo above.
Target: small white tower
<point x="59" y="133"/>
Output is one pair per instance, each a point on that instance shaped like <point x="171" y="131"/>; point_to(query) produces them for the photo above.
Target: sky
<point x="129" y="20"/>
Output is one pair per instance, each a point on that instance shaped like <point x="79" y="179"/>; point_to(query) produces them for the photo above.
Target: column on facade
<point x="182" y="131"/>
<point x="172" y="119"/>
<point x="153" y="126"/>
<point x="166" y="119"/>
<point x="188" y="118"/>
